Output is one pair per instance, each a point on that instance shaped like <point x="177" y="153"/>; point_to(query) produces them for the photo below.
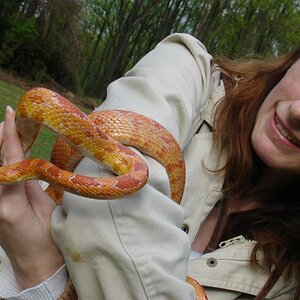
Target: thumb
<point x="12" y="150"/>
<point x="12" y="196"/>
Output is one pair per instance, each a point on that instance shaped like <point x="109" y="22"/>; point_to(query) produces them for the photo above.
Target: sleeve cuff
<point x="49" y="289"/>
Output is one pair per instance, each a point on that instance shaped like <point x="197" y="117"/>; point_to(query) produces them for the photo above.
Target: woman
<point x="239" y="213"/>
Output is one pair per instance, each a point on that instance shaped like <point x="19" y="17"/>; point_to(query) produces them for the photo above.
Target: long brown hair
<point x="276" y="225"/>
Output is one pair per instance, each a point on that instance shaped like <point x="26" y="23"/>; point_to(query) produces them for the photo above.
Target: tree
<point x="40" y="40"/>
<point x="83" y="45"/>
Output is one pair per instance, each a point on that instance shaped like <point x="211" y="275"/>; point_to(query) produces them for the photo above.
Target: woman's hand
<point x="25" y="211"/>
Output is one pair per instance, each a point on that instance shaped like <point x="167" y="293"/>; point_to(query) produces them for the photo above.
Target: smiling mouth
<point x="285" y="133"/>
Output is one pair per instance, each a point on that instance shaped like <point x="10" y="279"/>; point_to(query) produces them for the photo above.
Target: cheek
<point x="263" y="147"/>
<point x="269" y="154"/>
<point x="257" y="136"/>
<point x="258" y="144"/>
<point x="261" y="135"/>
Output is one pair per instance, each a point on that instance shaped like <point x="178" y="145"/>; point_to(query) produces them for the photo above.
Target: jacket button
<point x="211" y="262"/>
<point x="185" y="228"/>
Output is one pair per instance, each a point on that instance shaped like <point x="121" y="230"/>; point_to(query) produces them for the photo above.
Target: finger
<point x="1" y="140"/>
<point x="39" y="200"/>
<point x="1" y="132"/>
<point x="12" y="150"/>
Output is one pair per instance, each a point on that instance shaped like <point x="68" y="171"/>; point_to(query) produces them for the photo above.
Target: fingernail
<point x="9" y="109"/>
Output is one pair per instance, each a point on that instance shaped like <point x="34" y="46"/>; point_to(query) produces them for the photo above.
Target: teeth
<point x="284" y="132"/>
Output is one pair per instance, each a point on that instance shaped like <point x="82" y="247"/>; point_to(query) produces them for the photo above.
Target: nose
<point x="294" y="112"/>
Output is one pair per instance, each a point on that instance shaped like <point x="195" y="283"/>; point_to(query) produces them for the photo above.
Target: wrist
<point x="32" y="271"/>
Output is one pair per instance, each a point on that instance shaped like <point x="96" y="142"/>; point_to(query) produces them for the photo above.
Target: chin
<point x="269" y="157"/>
<point x="279" y="166"/>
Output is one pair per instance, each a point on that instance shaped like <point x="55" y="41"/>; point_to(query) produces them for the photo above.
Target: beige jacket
<point x="134" y="248"/>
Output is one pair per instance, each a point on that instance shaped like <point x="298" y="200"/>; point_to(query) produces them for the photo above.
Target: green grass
<point x="9" y="95"/>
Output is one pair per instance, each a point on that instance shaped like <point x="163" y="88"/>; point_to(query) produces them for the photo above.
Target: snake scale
<point x="104" y="137"/>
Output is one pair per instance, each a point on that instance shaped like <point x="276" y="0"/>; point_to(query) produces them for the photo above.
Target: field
<point x="9" y="95"/>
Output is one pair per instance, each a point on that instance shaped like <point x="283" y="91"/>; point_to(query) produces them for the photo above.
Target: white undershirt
<point x="49" y="289"/>
<point x="194" y="255"/>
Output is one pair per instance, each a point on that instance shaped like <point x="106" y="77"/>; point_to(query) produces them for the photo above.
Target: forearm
<point x="132" y="248"/>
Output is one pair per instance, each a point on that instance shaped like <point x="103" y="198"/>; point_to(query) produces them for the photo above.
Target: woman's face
<point x="276" y="133"/>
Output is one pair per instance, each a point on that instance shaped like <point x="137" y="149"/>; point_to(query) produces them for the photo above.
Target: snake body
<point x="101" y="136"/>
<point x="94" y="136"/>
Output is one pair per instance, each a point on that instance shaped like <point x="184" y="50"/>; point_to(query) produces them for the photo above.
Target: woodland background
<point x="80" y="46"/>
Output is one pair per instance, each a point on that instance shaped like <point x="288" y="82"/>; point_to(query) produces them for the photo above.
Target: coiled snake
<point x="101" y="136"/>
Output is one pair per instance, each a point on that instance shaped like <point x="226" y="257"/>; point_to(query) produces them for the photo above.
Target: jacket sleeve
<point x="134" y="248"/>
